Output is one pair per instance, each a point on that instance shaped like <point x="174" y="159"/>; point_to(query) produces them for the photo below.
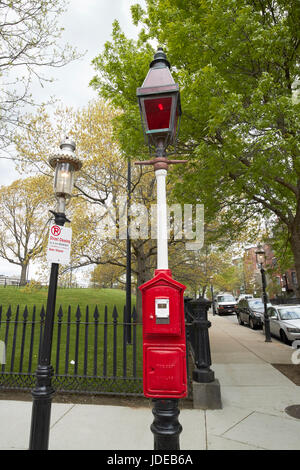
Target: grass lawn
<point x="65" y="358"/>
<point x="21" y="296"/>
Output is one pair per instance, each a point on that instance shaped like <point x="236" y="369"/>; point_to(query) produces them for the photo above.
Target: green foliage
<point x="32" y="286"/>
<point x="237" y="63"/>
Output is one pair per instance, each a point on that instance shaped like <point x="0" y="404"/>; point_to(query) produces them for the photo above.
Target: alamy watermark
<point x="184" y="222"/>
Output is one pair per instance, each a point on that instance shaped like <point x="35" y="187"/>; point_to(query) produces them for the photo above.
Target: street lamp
<point x="160" y="109"/>
<point x="65" y="164"/>
<point x="260" y="260"/>
<point x="212" y="295"/>
<point x="159" y="104"/>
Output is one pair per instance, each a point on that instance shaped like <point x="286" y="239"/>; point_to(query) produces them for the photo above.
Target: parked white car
<point x="245" y="296"/>
<point x="225" y="303"/>
<point x="285" y="322"/>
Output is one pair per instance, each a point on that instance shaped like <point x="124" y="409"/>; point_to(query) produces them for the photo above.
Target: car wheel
<point x="251" y="324"/>
<point x="284" y="337"/>
<point x="240" y="320"/>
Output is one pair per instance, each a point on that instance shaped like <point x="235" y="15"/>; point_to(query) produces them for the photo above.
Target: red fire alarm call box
<point x="164" y="344"/>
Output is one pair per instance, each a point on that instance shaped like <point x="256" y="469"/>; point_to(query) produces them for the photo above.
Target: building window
<point x="294" y="278"/>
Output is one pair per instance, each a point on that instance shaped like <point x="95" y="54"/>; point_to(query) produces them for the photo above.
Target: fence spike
<point x="25" y="314"/>
<point x="60" y="313"/>
<point x="42" y="314"/>
<point x="115" y="314"/>
<point x="96" y="313"/>
<point x="78" y="313"/>
<point x="8" y="314"/>
<point x="134" y="314"/>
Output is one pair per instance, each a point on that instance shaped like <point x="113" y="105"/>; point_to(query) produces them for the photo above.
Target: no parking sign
<point x="59" y="244"/>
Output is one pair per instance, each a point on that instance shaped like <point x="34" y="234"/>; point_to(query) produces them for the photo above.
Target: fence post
<point x="25" y="316"/>
<point x="134" y="321"/>
<point x="96" y="323"/>
<point x="115" y="323"/>
<point x="31" y="339"/>
<point x="86" y="338"/>
<point x="206" y="388"/>
<point x="78" y="317"/>
<point x="125" y="332"/>
<point x="105" y="342"/>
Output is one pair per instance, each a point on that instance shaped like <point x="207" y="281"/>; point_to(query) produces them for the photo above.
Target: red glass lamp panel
<point x="158" y="113"/>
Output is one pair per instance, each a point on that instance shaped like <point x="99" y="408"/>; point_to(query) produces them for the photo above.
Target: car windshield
<point x="226" y="298"/>
<point x="256" y="305"/>
<point x="289" y="313"/>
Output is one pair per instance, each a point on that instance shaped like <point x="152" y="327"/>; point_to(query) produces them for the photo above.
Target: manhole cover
<point x="293" y="410"/>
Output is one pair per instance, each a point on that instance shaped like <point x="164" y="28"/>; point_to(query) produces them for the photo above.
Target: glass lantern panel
<point x="63" y="181"/>
<point x="260" y="258"/>
<point x="158" y="113"/>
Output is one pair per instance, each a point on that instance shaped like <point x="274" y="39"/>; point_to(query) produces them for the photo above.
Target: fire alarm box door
<point x="162" y="314"/>
<point x="165" y="371"/>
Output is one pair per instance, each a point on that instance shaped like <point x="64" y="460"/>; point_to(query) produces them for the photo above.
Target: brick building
<point x="278" y="282"/>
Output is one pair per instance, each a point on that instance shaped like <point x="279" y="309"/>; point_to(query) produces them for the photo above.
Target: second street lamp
<point x="260" y="260"/>
<point x="65" y="164"/>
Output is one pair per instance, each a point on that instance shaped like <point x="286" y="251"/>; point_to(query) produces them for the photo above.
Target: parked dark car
<point x="250" y="311"/>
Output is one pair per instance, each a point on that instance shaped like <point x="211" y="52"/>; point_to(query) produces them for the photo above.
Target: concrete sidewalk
<point x="254" y="397"/>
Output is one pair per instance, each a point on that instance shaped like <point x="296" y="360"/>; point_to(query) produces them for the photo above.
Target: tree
<point x="100" y="185"/>
<point x="194" y="268"/>
<point x="237" y="62"/>
<point x="24" y="217"/>
<point x="28" y="44"/>
<point x="106" y="275"/>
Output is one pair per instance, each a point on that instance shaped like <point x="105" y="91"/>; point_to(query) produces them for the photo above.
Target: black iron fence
<point x="91" y="352"/>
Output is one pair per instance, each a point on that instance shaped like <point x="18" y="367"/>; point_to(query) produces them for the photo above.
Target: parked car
<point x="250" y="311"/>
<point x="285" y="322"/>
<point x="225" y="303"/>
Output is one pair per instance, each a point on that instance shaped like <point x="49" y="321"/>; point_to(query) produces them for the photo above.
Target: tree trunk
<point x="143" y="275"/>
<point x="23" y="278"/>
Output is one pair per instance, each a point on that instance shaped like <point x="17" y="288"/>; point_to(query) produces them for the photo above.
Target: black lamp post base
<point x="205" y="375"/>
<point x="268" y="338"/>
<point x="166" y="427"/>
<point x="41" y="409"/>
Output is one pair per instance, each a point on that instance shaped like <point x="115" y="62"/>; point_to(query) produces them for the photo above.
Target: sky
<point x="88" y="25"/>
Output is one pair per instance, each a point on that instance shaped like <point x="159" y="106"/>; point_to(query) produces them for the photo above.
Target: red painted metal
<point x="164" y="342"/>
